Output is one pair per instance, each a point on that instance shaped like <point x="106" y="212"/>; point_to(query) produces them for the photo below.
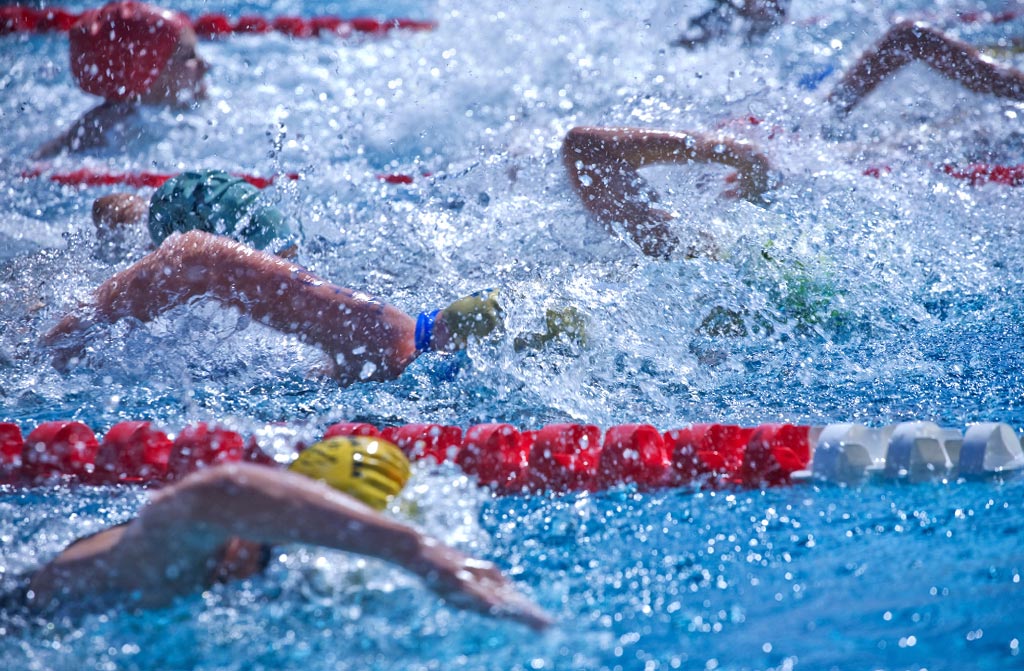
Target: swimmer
<point x="221" y="524"/>
<point x="364" y="338"/>
<point x="192" y="216"/>
<point x="130" y="54"/>
<point x="204" y="200"/>
<point x="603" y="166"/>
<point x="908" y="41"/>
<point x="752" y="18"/>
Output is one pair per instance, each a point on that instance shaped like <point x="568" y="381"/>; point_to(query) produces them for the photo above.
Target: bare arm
<point x="89" y="131"/>
<point x="759" y="17"/>
<point x="134" y="563"/>
<point x="367" y="339"/>
<point x="603" y="162"/>
<point x="906" y="42"/>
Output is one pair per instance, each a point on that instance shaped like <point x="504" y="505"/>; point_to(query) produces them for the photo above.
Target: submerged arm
<point x="603" y="166"/>
<point x="759" y="17"/>
<point x="908" y="41"/>
<point x="89" y="131"/>
<point x="366" y="338"/>
<point x="207" y="509"/>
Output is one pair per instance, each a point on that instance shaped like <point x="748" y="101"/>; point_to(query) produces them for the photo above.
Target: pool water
<point x="874" y="300"/>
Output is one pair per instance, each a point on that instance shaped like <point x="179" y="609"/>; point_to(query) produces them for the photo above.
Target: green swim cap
<point x="216" y="202"/>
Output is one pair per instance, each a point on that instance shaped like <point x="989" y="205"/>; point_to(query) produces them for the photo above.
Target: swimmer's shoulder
<point x="100" y="541"/>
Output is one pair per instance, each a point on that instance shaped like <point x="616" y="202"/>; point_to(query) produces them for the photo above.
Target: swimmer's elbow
<point x="580" y="156"/>
<point x="186" y="244"/>
<point x="221" y="479"/>
<point x="394" y="359"/>
<point x="581" y="142"/>
<point x="197" y="490"/>
<point x="214" y="496"/>
<point x="571" y="152"/>
<point x="193" y="254"/>
<point x="575" y="137"/>
<point x="50" y="149"/>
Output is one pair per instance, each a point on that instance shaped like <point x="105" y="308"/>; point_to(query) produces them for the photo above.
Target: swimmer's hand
<point x="472" y="317"/>
<point x="475" y="585"/>
<point x="753" y="181"/>
<point x="567" y="324"/>
<point x="89" y="132"/>
<point x="68" y="338"/>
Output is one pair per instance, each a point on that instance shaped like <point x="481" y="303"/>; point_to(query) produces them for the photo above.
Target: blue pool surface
<point x="863" y="299"/>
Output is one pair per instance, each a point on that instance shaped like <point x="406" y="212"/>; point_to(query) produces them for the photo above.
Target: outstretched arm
<point x="759" y="17"/>
<point x="138" y="563"/>
<point x="366" y="338"/>
<point x="603" y="164"/>
<point x="908" y="41"/>
<point x="89" y="131"/>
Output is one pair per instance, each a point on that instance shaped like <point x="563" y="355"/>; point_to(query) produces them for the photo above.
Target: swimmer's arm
<point x="762" y="15"/>
<point x="639" y="147"/>
<point x="603" y="162"/>
<point x="366" y="339"/>
<point x="711" y="25"/>
<point x="88" y="132"/>
<point x="171" y="547"/>
<point x="908" y="41"/>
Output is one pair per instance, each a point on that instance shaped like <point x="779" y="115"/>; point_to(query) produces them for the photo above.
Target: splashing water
<point x="850" y="298"/>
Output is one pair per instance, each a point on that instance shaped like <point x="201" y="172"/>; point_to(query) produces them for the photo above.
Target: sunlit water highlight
<point x="883" y="300"/>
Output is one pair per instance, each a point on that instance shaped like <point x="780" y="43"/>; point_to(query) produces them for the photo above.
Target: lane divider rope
<point x="17" y="19"/>
<point x="556" y="457"/>
<point x="86" y="177"/>
<point x="89" y="177"/>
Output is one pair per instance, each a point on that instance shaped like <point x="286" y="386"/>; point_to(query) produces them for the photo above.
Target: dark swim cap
<point x="216" y="202"/>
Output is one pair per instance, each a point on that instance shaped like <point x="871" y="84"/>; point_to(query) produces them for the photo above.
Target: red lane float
<point x="974" y="174"/>
<point x="955" y="16"/>
<point x="29" y="20"/>
<point x="199" y="446"/>
<point x="59" y="448"/>
<point x="557" y="457"/>
<point x="707" y="454"/>
<point x="351" y="429"/>
<point x="564" y="457"/>
<point x="419" y="441"/>
<point x="395" y="178"/>
<point x="400" y="177"/>
<point x="965" y="16"/>
<point x="11" y="445"/>
<point x="209" y="26"/>
<point x="88" y="177"/>
<point x="498" y="455"/>
<point x="773" y="453"/>
<point x="985" y="173"/>
<point x="133" y="452"/>
<point x="877" y="171"/>
<point x="633" y="453"/>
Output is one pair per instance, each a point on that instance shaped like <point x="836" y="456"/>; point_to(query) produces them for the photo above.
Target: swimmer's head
<point x="118" y="218"/>
<point x="370" y="469"/>
<point x="216" y="202"/>
<point x="134" y="51"/>
<point x="118" y="210"/>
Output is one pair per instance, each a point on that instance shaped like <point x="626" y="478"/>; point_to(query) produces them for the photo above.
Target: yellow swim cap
<point x="370" y="469"/>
